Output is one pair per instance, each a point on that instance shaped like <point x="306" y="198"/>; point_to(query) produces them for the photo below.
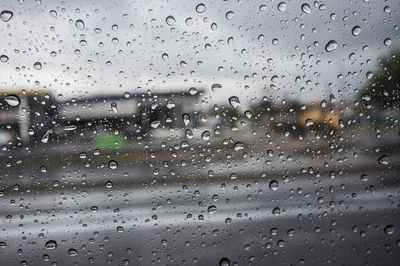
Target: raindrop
<point x="282" y="6"/>
<point x="3" y="58"/>
<point x="53" y="13"/>
<point x="79" y="24"/>
<point x="356" y="30"/>
<point x="224" y="262"/>
<point x="273" y="185"/>
<point x="205" y="135"/>
<point x="383" y="160"/>
<point x="45" y="137"/>
<point x="229" y="15"/>
<point x="234" y="101"/>
<point x="70" y="128"/>
<point x="387" y="41"/>
<point x="248" y="114"/>
<point x="112" y="164"/>
<point x="72" y="252"/>
<point x="51" y="244"/>
<point x="189" y="21"/>
<point x="331" y="45"/>
<point x="170" y="20"/>
<point x="212" y="209"/>
<point x="37" y="66"/>
<point x="276" y="211"/>
<point x="6" y="15"/>
<point x="186" y="119"/>
<point x="366" y="97"/>
<point x="389" y="230"/>
<point x="12" y="100"/>
<point x="200" y="8"/>
<point x="109" y="184"/>
<point x="306" y="8"/>
<point x="114" y="107"/>
<point x="215" y="86"/>
<point x="170" y="104"/>
<point x="238" y="146"/>
<point x="309" y="122"/>
<point x="192" y="91"/>
<point x="369" y="75"/>
<point x="155" y="124"/>
<point x="165" y="56"/>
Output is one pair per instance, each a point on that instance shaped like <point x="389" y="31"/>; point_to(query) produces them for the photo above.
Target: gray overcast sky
<point x="104" y="59"/>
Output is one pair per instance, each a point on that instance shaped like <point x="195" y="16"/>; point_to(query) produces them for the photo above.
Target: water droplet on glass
<point x="6" y="15"/>
<point x="369" y="75"/>
<point x="165" y="56"/>
<point x="216" y="86"/>
<point x="306" y="8"/>
<point x="46" y="136"/>
<point x="53" y="13"/>
<point x="366" y="97"/>
<point x="389" y="230"/>
<point x="309" y="122"/>
<point x="356" y="30"/>
<point x="248" y="114"/>
<point x="238" y="146"/>
<point x="109" y="184"/>
<point x="70" y="128"/>
<point x="234" y="101"/>
<point x="170" y="104"/>
<point x="3" y="58"/>
<point x="276" y="211"/>
<point x="273" y="185"/>
<point x="79" y="24"/>
<point x="189" y="21"/>
<point x="186" y="119"/>
<point x="229" y="15"/>
<point x="387" y="41"/>
<point x="383" y="160"/>
<point x="72" y="252"/>
<point x="112" y="164"/>
<point x="224" y="262"/>
<point x="331" y="45"/>
<point x="12" y="100"/>
<point x="282" y="6"/>
<point x="155" y="124"/>
<point x="192" y="91"/>
<point x="37" y="66"/>
<point x="51" y="244"/>
<point x="170" y="20"/>
<point x="205" y="135"/>
<point x="212" y="209"/>
<point x="200" y="8"/>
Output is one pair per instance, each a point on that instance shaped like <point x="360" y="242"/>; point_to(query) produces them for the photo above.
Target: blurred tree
<point x="383" y="89"/>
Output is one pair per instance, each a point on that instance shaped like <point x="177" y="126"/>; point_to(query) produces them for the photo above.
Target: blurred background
<point x="199" y="133"/>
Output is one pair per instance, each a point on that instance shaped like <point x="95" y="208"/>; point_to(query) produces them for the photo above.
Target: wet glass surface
<point x="199" y="133"/>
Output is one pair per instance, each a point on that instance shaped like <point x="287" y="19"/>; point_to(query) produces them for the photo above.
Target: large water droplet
<point x="72" y="252"/>
<point x="37" y="66"/>
<point x="234" y="101"/>
<point x="155" y="124"/>
<point x="273" y="185"/>
<point x="205" y="135"/>
<point x="112" y="164"/>
<point x="387" y="41"/>
<point x="216" y="86"/>
<point x="165" y="56"/>
<point x="46" y="136"/>
<point x="356" y="30"/>
<point x="229" y="15"/>
<point x="238" y="146"/>
<point x="109" y="184"/>
<point x="306" y="8"/>
<point x="276" y="211"/>
<point x="224" y="262"/>
<point x="186" y="119"/>
<point x="170" y="20"/>
<point x="12" y="100"/>
<point x="389" y="230"/>
<point x="6" y="15"/>
<point x="51" y="244"/>
<point x="170" y="104"/>
<point x="212" y="209"/>
<point x="282" y="6"/>
<point x="200" y="8"/>
<point x="79" y="24"/>
<point x="331" y="45"/>
<point x="3" y="58"/>
<point x="383" y="160"/>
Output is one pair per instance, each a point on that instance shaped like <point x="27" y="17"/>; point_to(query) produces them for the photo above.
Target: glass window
<point x="199" y="132"/>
